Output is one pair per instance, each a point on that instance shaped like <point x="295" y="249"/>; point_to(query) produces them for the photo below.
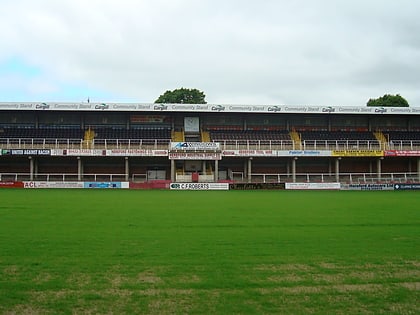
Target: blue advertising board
<point x="102" y="185"/>
<point x="407" y="186"/>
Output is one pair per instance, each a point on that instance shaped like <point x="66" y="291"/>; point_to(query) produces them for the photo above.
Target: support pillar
<point x="216" y="171"/>
<point x="379" y="168"/>
<point x="337" y="169"/>
<point x="31" y="168"/>
<point x="79" y="169"/>
<point x="127" y="169"/>
<point x="172" y="171"/>
<point x="245" y="170"/>
<point x="204" y="167"/>
<point x="249" y="169"/>
<point x="294" y="169"/>
<point x="418" y="169"/>
<point x="35" y="167"/>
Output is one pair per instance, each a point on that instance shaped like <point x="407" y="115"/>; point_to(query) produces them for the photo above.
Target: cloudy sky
<point x="308" y="52"/>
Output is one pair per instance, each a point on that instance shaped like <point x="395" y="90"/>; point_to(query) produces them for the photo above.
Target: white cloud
<point x="294" y="52"/>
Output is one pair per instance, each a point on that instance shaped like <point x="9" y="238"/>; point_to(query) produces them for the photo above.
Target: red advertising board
<point x="11" y="184"/>
<point x="402" y="153"/>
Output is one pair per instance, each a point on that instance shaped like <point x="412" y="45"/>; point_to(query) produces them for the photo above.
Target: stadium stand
<point x="267" y="146"/>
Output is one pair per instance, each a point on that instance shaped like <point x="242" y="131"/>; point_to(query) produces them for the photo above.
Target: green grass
<point x="230" y="252"/>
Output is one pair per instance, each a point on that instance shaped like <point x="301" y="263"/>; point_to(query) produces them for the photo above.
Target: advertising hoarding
<point x="199" y="186"/>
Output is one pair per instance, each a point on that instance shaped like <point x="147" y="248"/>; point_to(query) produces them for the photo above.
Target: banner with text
<point x="26" y="152"/>
<point x="11" y="184"/>
<point x="106" y="185"/>
<point x="304" y="153"/>
<point x="195" y="146"/>
<point x="215" y="108"/>
<point x="84" y="152"/>
<point x="402" y="153"/>
<point x="239" y="153"/>
<point x="313" y="186"/>
<point x="194" y="156"/>
<point x="357" y="153"/>
<point x="367" y="187"/>
<point x="136" y="152"/>
<point x="199" y="186"/>
<point x="41" y="184"/>
<point x="407" y="186"/>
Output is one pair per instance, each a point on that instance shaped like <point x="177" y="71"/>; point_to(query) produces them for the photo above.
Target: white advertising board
<point x="84" y="152"/>
<point x="199" y="186"/>
<point x="262" y="153"/>
<point x="194" y="156"/>
<point x="367" y="187"/>
<point x="313" y="186"/>
<point x="215" y="108"/>
<point x="195" y="146"/>
<point x="136" y="152"/>
<point x="41" y="184"/>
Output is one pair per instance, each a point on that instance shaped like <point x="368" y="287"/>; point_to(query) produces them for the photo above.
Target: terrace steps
<point x="297" y="141"/>
<point x="88" y="138"/>
<point x="178" y="136"/>
<point x="382" y="139"/>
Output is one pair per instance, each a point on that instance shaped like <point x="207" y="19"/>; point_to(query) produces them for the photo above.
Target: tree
<point x="182" y="96"/>
<point x="388" y="101"/>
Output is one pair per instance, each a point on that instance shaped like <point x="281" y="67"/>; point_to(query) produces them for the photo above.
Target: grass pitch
<point x="230" y="252"/>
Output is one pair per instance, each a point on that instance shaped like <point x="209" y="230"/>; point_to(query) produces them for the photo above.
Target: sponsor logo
<point x="42" y="106"/>
<point x="328" y="109"/>
<point x="380" y="110"/>
<point x="160" y="107"/>
<point x="195" y="145"/>
<point x="274" y="109"/>
<point x="102" y="106"/>
<point x="218" y="108"/>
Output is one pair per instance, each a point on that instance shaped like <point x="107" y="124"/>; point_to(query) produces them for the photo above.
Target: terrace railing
<point x="349" y="178"/>
<point x="62" y="177"/>
<point x="404" y="145"/>
<point x="256" y="144"/>
<point x="35" y="143"/>
<point x="341" y="145"/>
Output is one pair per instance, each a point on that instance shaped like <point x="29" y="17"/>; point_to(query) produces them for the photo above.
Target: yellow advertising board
<point x="357" y="153"/>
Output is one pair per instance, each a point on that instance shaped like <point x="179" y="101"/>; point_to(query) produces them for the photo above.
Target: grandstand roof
<point x="218" y="108"/>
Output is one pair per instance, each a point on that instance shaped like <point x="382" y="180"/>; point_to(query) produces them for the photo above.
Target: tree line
<point x="195" y="96"/>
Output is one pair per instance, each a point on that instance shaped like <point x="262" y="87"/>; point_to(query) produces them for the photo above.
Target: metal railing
<point x="62" y="177"/>
<point x="256" y="144"/>
<point x="341" y="145"/>
<point x="34" y="143"/>
<point x="349" y="178"/>
<point x="404" y="145"/>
